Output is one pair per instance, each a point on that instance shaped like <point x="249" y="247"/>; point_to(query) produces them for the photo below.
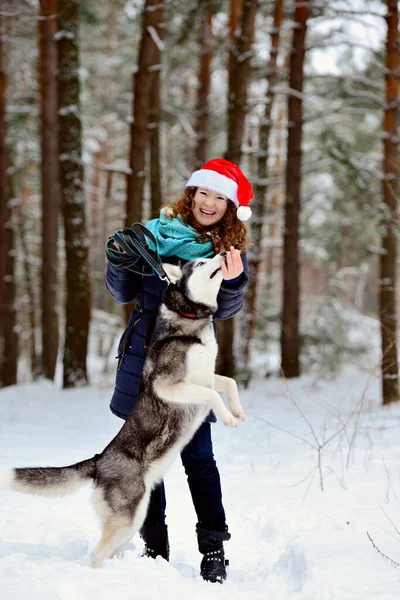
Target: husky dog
<point x="178" y="389"/>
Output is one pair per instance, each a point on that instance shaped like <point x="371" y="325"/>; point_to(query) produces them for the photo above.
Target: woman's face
<point x="209" y="207"/>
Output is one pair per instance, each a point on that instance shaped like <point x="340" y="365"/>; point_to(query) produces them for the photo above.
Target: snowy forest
<point x="106" y="109"/>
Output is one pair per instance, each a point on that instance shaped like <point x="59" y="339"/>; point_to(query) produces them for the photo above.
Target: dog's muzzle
<point x="222" y="259"/>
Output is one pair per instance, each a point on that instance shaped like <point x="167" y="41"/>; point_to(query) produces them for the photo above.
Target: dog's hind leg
<point x="135" y="525"/>
<point x="117" y="532"/>
<point x="119" y="524"/>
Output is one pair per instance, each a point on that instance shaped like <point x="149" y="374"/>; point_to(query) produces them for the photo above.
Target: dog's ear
<point x="173" y="272"/>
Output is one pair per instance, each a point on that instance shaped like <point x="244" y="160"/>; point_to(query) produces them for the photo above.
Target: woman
<point x="205" y="221"/>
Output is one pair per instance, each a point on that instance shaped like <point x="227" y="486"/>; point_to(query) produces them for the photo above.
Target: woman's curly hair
<point x="229" y="231"/>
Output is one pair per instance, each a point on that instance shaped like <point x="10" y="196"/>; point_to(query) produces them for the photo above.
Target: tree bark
<point x="238" y="78"/>
<point x="277" y="191"/>
<point x="73" y="198"/>
<point x="260" y="193"/>
<point x="21" y="233"/>
<point x="387" y="284"/>
<point x="156" y="197"/>
<point x="291" y="262"/>
<point x="96" y="211"/>
<point x="149" y="53"/>
<point x="50" y="188"/>
<point x="235" y="12"/>
<point x="203" y="90"/>
<point x="8" y="336"/>
<point x="154" y="125"/>
<point x="239" y="72"/>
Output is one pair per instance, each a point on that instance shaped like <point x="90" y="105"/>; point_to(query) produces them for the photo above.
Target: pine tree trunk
<point x="239" y="72"/>
<point x="291" y="261"/>
<point x="8" y="336"/>
<point x="276" y="200"/>
<point x="239" y="78"/>
<point x="235" y="12"/>
<point x="387" y="295"/>
<point x="22" y="236"/>
<point x="260" y="193"/>
<point x="149" y="53"/>
<point x="203" y="90"/>
<point x="72" y="198"/>
<point x="277" y="192"/>
<point x="156" y="198"/>
<point x="50" y="188"/>
<point x="154" y="127"/>
<point x="96" y="209"/>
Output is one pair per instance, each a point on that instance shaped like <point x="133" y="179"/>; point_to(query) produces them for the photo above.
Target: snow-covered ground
<point x="290" y="539"/>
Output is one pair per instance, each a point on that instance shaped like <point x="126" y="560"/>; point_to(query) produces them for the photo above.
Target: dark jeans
<point x="204" y="483"/>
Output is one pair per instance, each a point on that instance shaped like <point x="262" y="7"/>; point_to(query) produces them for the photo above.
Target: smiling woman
<point x="208" y="206"/>
<point x="215" y="202"/>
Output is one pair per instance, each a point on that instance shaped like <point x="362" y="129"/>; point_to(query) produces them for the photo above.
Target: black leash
<point x="135" y="254"/>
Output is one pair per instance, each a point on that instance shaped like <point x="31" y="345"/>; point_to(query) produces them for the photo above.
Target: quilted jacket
<point x="124" y="287"/>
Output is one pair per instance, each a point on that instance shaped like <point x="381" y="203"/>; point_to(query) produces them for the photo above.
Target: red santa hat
<point x="224" y="177"/>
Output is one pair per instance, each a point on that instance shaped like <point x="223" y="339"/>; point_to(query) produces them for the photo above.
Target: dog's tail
<point x="49" y="481"/>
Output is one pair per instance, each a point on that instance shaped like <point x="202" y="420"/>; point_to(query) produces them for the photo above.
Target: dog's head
<point x="194" y="287"/>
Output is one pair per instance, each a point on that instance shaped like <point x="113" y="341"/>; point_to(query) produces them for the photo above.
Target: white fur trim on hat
<point x="243" y="213"/>
<point x="211" y="180"/>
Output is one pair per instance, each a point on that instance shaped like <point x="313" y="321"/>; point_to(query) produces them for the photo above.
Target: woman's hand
<point x="233" y="266"/>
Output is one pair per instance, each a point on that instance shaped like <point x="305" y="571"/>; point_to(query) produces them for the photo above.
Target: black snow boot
<point x="213" y="565"/>
<point x="155" y="537"/>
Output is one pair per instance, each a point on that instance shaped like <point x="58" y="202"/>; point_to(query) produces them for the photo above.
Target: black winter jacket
<point x="124" y="287"/>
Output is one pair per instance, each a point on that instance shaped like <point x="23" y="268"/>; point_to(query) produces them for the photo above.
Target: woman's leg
<point x="154" y="530"/>
<point x="205" y="487"/>
<point x="204" y="481"/>
<point x="157" y="505"/>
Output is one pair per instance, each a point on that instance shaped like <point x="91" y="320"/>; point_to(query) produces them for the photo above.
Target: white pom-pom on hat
<point x="243" y="213"/>
<point x="223" y="176"/>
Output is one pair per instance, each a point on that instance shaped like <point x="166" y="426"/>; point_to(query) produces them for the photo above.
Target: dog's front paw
<point x="229" y="420"/>
<point x="239" y="413"/>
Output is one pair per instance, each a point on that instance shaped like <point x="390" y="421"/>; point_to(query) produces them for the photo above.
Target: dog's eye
<point x="200" y="263"/>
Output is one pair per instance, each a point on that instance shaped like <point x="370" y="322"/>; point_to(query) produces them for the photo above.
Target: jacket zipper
<point x="124" y="344"/>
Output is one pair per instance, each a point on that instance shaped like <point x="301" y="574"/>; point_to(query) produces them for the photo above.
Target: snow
<point x="156" y="38"/>
<point x="290" y="540"/>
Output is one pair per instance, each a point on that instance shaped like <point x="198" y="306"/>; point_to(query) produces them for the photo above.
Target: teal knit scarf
<point x="176" y="238"/>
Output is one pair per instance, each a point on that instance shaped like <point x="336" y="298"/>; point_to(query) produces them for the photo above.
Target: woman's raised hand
<point x="233" y="266"/>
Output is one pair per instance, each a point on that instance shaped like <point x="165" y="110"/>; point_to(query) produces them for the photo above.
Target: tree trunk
<point x="50" y="188"/>
<point x="73" y="198"/>
<point x="149" y="56"/>
<point x="276" y="200"/>
<point x="156" y="196"/>
<point x="387" y="287"/>
<point x="237" y="94"/>
<point x="203" y="90"/>
<point x="291" y="271"/>
<point x="96" y="209"/>
<point x="19" y="217"/>
<point x="8" y="336"/>
<point x="277" y="190"/>
<point x="260" y="193"/>
<point x="239" y="72"/>
<point x="235" y="11"/>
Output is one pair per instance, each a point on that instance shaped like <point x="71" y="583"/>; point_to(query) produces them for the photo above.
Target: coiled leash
<point x="135" y="254"/>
